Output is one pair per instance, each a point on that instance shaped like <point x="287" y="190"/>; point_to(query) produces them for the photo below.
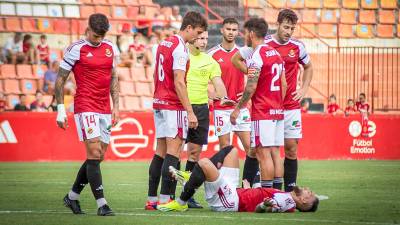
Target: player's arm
<point x="237" y="61"/>
<point x="114" y="91"/>
<point x="307" y="75"/>
<point x="59" y="94"/>
<point x="181" y="91"/>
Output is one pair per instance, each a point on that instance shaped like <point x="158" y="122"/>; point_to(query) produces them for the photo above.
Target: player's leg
<point x="155" y="173"/>
<point x="264" y="157"/>
<point x="278" y="168"/>
<point x="223" y="127"/>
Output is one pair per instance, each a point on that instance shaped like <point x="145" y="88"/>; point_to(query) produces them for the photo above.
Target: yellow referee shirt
<point x="203" y="68"/>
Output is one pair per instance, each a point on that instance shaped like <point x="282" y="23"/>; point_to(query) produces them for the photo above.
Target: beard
<point x="227" y="40"/>
<point x="297" y="190"/>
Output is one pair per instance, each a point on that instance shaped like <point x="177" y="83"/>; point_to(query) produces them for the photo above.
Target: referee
<point x="203" y="69"/>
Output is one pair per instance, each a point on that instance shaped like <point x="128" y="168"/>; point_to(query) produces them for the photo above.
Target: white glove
<point x="61" y="114"/>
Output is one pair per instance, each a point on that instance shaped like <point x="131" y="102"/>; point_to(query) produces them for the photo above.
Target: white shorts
<point x="267" y="133"/>
<point x="221" y="194"/>
<point x="223" y="123"/>
<point x="293" y="125"/>
<point x="170" y="123"/>
<point x="91" y="125"/>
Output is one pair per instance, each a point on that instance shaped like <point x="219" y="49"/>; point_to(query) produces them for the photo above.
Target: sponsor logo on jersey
<point x="89" y="130"/>
<point x="7" y="134"/>
<point x="89" y="55"/>
<point x="291" y="53"/>
<point x="296" y="124"/>
<point x="108" y="52"/>
<point x="220" y="60"/>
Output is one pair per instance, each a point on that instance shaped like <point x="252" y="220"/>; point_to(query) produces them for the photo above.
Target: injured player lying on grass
<point x="220" y="175"/>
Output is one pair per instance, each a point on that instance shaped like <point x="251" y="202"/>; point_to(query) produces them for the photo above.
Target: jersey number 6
<point x="160" y="68"/>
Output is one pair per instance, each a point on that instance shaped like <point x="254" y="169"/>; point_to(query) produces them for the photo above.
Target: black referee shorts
<point x="200" y="135"/>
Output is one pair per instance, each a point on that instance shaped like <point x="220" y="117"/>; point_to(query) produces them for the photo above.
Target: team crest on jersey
<point x="90" y="130"/>
<point x="291" y="53"/>
<point x="108" y="52"/>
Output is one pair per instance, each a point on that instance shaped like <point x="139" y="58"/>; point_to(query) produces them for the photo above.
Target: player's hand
<point x="192" y="120"/>
<point x="226" y="102"/>
<point x="234" y="116"/>
<point x="299" y="94"/>
<point x="62" y="121"/>
<point x="115" y="117"/>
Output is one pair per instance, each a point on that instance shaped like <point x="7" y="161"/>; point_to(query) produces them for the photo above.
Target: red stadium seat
<point x="331" y="4"/>
<point x="310" y="16"/>
<point x="119" y="12"/>
<point x="103" y="9"/>
<point x="278" y="3"/>
<point x="388" y="4"/>
<point x="101" y="2"/>
<point x="124" y="74"/>
<point x="138" y="73"/>
<point x="387" y="16"/>
<point x="11" y="86"/>
<point x="131" y="2"/>
<point x="29" y="86"/>
<point x="24" y="71"/>
<point x="312" y="4"/>
<point x="121" y="104"/>
<point x="29" y="25"/>
<point x="86" y="11"/>
<point x="327" y="30"/>
<point x="346" y="31"/>
<point x="2" y="28"/>
<point x="126" y="88"/>
<point x="350" y="4"/>
<point x="384" y="31"/>
<point x="328" y="16"/>
<point x="146" y="2"/>
<point x="369" y="4"/>
<point x="398" y="30"/>
<point x="295" y="4"/>
<point x="132" y="103"/>
<point x="270" y="15"/>
<point x="116" y="2"/>
<point x="348" y="16"/>
<point x="143" y="89"/>
<point x="8" y="71"/>
<point x="132" y="11"/>
<point x="38" y="71"/>
<point x="62" y="26"/>
<point x="367" y="16"/>
<point x="364" y="31"/>
<point x="13" y="24"/>
<point x="12" y="100"/>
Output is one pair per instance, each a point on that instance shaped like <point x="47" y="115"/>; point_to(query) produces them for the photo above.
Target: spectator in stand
<point x="151" y="50"/>
<point x="43" y="51"/>
<point x="70" y="85"/>
<point x="362" y="105"/>
<point x="38" y="105"/>
<point x="53" y="105"/>
<point x="50" y="78"/>
<point x="158" y="23"/>
<point x="143" y="23"/>
<point x="137" y="49"/>
<point x="3" y="102"/>
<point x="22" y="105"/>
<point x="175" y="19"/>
<point x="333" y="108"/>
<point x="305" y="105"/>
<point x="350" y="108"/>
<point x="29" y="49"/>
<point x="13" y="49"/>
<point x="123" y="46"/>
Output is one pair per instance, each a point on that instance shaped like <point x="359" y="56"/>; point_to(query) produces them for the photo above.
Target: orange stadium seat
<point x="369" y="4"/>
<point x="132" y="103"/>
<point x="346" y="30"/>
<point x="367" y="16"/>
<point x="24" y="71"/>
<point x="121" y="103"/>
<point x="143" y="89"/>
<point x="295" y="4"/>
<point x="131" y="2"/>
<point x="251" y="4"/>
<point x="348" y="16"/>
<point x="124" y="74"/>
<point x="327" y="30"/>
<point x="138" y="73"/>
<point x="2" y="28"/>
<point x="277" y="3"/>
<point x="146" y="2"/>
<point x="13" y="24"/>
<point x="11" y="86"/>
<point x="38" y="71"/>
<point x="398" y="30"/>
<point x="45" y="25"/>
<point x="384" y="31"/>
<point x="114" y="28"/>
<point x="387" y="16"/>
<point x="29" y="86"/>
<point x="119" y="12"/>
<point x="62" y="26"/>
<point x="86" y="1"/>
<point x="313" y="4"/>
<point x="166" y="11"/>
<point x="29" y="25"/>
<point x="350" y="4"/>
<point x="1" y="86"/>
<point x="307" y="30"/>
<point x="126" y="88"/>
<point x="146" y="103"/>
<point x="328" y="16"/>
<point x="103" y="9"/>
<point x="8" y="71"/>
<point x="309" y="16"/>
<point x="86" y="11"/>
<point x="12" y="100"/>
<point x="388" y="4"/>
<point x="364" y="31"/>
<point x="116" y="2"/>
<point x="55" y="54"/>
<point x="331" y="4"/>
<point x="270" y="15"/>
<point x="132" y="11"/>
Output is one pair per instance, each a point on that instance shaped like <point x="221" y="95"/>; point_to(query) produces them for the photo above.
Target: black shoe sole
<point x="66" y="204"/>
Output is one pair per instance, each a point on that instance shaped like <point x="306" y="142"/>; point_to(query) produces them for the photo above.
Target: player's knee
<point x="194" y="156"/>
<point x="203" y="163"/>
<point x="291" y="152"/>
<point x="251" y="153"/>
<point x="94" y="150"/>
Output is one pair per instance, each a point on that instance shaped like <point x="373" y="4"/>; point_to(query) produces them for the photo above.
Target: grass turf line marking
<point x="172" y="214"/>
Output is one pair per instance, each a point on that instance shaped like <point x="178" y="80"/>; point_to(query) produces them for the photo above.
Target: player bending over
<point x="220" y="175"/>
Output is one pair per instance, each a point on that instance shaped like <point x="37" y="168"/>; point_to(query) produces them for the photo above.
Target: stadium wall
<point x="35" y="137"/>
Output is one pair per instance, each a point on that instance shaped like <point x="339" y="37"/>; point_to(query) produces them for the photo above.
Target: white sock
<point x="181" y="202"/>
<point x="152" y="198"/>
<point x="100" y="202"/>
<point x="73" y="196"/>
<point x="164" y="198"/>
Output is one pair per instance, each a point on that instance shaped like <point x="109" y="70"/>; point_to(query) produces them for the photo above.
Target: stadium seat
<point x="346" y="30"/>
<point x="278" y="3"/>
<point x="103" y="9"/>
<point x="309" y="16"/>
<point x="61" y="26"/>
<point x="7" y="9"/>
<point x="119" y="12"/>
<point x="364" y="31"/>
<point x="367" y="16"/>
<point x="68" y="100"/>
<point x="167" y="11"/>
<point x="39" y="10"/>
<point x="312" y="4"/>
<point x="29" y="25"/>
<point x="132" y="11"/>
<point x="348" y="16"/>
<point x="45" y="25"/>
<point x="331" y="4"/>
<point x="28" y="86"/>
<point x="145" y="2"/>
<point x="56" y="54"/>
<point x="1" y="86"/>
<point x="116" y="2"/>
<point x="131" y="2"/>
<point x="328" y="16"/>
<point x="251" y="4"/>
<point x="350" y="4"/>
<point x="24" y="71"/>
<point x="295" y="4"/>
<point x="13" y="24"/>
<point x="38" y="71"/>
<point x="384" y="31"/>
<point x="143" y="89"/>
<point x="86" y="1"/>
<point x="307" y="30"/>
<point x="146" y="103"/>
<point x="71" y="11"/>
<point x="24" y="9"/>
<point x="132" y="103"/>
<point x="126" y="88"/>
<point x="138" y="73"/>
<point x="114" y="28"/>
<point x="12" y="100"/>
<point x="54" y="10"/>
<point x="270" y="15"/>
<point x="327" y="30"/>
<point x="388" y="4"/>
<point x="8" y="71"/>
<point x="86" y="11"/>
<point x="369" y="4"/>
<point x="398" y="30"/>
<point x="11" y="86"/>
<point x="124" y="74"/>
<point x="149" y="73"/>
<point x="387" y="16"/>
<point x="2" y="28"/>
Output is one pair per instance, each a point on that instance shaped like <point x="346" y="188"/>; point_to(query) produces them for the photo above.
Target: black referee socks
<point x="155" y="175"/>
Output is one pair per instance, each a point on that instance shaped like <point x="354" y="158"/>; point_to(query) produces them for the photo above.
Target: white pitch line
<point x="191" y="216"/>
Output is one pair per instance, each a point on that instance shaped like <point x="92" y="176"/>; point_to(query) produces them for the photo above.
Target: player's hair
<point x="363" y="94"/>
<point x="99" y="24"/>
<point x="287" y="14"/>
<point x="230" y="20"/>
<point x="258" y="26"/>
<point x="313" y="208"/>
<point x="332" y="96"/>
<point x="43" y="36"/>
<point x="194" y="19"/>
<point x="350" y="100"/>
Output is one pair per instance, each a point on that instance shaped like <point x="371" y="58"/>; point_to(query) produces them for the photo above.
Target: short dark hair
<point x="99" y="24"/>
<point x="194" y="19"/>
<point x="230" y="20"/>
<point x="258" y="26"/>
<point x="363" y="94"/>
<point x="350" y="100"/>
<point x="287" y="14"/>
<point x="43" y="36"/>
<point x="332" y="96"/>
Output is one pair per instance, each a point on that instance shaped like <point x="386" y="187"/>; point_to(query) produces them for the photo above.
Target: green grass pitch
<point x="360" y="192"/>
